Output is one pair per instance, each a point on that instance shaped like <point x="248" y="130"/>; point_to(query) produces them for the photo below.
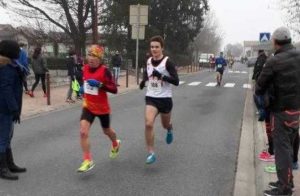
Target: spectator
<point x="23" y="60"/>
<point x="11" y="87"/>
<point x="71" y="65"/>
<point x="116" y="62"/>
<point x="40" y="69"/>
<point x="261" y="60"/>
<point x="282" y="72"/>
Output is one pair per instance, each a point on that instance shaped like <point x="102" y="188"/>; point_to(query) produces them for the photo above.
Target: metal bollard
<point x="127" y="72"/>
<point x="48" y="88"/>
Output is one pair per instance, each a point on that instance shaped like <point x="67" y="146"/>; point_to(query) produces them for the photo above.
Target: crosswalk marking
<point x="229" y="85"/>
<point x="236" y="72"/>
<point x="194" y="83"/>
<point x="181" y="82"/>
<point x="230" y="71"/>
<point x="247" y="86"/>
<point x="244" y="72"/>
<point x="211" y="84"/>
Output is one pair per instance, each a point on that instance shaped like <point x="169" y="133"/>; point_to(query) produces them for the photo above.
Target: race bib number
<point x="91" y="90"/>
<point x="219" y="66"/>
<point x="154" y="85"/>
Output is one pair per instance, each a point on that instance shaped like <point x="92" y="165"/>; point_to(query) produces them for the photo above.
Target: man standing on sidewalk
<point x="282" y="71"/>
<point x="116" y="62"/>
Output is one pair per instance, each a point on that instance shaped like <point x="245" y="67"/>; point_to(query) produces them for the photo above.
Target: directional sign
<point x="138" y="14"/>
<point x="264" y="37"/>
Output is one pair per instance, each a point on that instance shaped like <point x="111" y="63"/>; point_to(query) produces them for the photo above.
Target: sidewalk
<point x="38" y="104"/>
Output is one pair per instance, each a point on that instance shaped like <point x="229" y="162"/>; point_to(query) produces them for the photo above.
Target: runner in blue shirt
<point x="220" y="67"/>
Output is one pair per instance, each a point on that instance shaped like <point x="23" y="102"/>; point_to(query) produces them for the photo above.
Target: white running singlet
<point x="158" y="88"/>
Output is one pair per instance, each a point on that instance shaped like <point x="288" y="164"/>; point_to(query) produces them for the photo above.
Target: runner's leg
<point x="150" y="114"/>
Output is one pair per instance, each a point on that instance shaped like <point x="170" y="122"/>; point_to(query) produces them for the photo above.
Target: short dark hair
<point x="10" y="49"/>
<point x="282" y="42"/>
<point x="159" y="39"/>
<point x="21" y="44"/>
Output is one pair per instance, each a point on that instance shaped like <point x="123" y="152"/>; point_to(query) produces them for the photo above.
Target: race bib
<point x="154" y="85"/>
<point x="91" y="90"/>
<point x="219" y="66"/>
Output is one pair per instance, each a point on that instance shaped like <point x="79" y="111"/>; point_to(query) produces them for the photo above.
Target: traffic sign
<point x="264" y="37"/>
<point x="138" y="35"/>
<point x="138" y="14"/>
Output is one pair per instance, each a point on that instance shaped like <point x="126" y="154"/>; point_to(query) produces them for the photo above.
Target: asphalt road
<point x="200" y="162"/>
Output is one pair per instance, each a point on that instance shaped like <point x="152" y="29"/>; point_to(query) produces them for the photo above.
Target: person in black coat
<point x="261" y="60"/>
<point x="11" y="89"/>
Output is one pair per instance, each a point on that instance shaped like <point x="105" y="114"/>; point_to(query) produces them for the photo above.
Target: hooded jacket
<point x="10" y="86"/>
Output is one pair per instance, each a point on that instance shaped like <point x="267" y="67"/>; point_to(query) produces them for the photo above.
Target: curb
<point x="245" y="174"/>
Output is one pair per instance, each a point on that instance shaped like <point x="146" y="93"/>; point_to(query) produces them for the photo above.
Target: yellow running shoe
<point x="85" y="166"/>
<point x="115" y="150"/>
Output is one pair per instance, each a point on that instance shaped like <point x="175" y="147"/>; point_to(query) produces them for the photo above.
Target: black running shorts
<point x="220" y="71"/>
<point x="89" y="116"/>
<point x="163" y="105"/>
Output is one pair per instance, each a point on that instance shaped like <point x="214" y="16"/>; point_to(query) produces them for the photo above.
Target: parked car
<point x="251" y="61"/>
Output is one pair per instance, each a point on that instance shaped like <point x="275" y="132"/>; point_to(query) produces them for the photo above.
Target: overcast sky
<point x="244" y="19"/>
<point x="239" y="19"/>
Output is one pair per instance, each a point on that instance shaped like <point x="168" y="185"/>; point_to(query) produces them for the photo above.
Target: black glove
<point x="156" y="73"/>
<point x="142" y="84"/>
<point x="16" y="117"/>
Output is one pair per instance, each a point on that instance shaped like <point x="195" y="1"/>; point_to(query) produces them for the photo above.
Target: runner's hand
<point x="142" y="85"/>
<point x="94" y="83"/>
<point x="156" y="73"/>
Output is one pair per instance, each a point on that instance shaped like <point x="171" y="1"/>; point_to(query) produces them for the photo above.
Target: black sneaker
<point x="275" y="185"/>
<point x="278" y="192"/>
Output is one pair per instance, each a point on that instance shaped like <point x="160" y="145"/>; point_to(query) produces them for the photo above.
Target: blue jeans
<point x="6" y="131"/>
<point x="116" y="74"/>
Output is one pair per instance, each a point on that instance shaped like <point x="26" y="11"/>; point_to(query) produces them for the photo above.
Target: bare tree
<point x="209" y="39"/>
<point x="292" y="11"/>
<point x="233" y="50"/>
<point x="74" y="17"/>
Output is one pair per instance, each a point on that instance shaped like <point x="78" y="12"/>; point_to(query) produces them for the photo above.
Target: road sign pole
<point x="137" y="44"/>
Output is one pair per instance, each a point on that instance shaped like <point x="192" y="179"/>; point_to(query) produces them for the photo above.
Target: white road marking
<point x="181" y="82"/>
<point x="229" y="85"/>
<point x="247" y="86"/>
<point x="211" y="84"/>
<point x="194" y="83"/>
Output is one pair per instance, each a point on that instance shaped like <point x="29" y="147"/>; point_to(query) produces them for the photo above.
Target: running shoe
<point x="270" y="169"/>
<point x="274" y="185"/>
<point x="266" y="156"/>
<point x="263" y="153"/>
<point x="85" y="166"/>
<point x="169" y="137"/>
<point x="115" y="150"/>
<point x="278" y="192"/>
<point x="150" y="158"/>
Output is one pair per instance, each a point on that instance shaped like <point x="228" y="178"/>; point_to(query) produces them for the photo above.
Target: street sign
<point x="264" y="37"/>
<point x="138" y="14"/>
<point x="135" y="33"/>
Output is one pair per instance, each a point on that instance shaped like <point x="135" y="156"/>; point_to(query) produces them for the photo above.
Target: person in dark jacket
<point x="261" y="60"/>
<point x="116" y="62"/>
<point x="282" y="72"/>
<point x="40" y="69"/>
<point x="11" y="89"/>
<point x="71" y="66"/>
<point x="23" y="60"/>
